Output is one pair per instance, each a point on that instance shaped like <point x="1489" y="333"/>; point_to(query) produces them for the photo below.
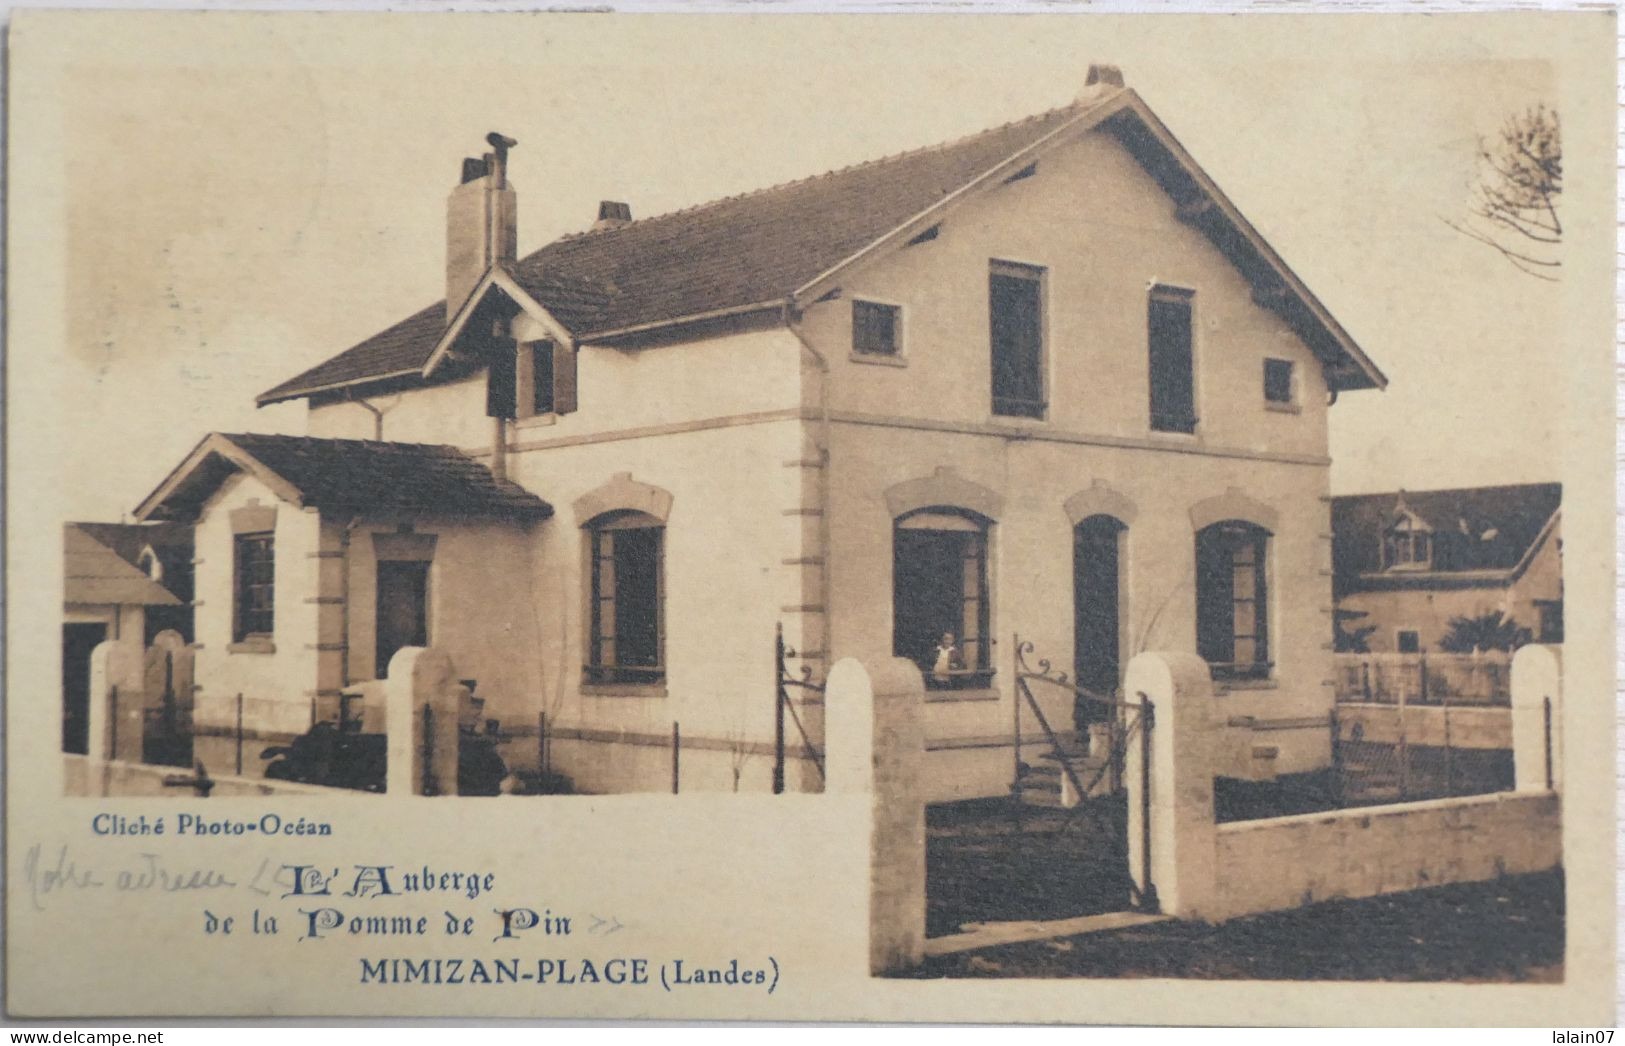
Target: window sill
<point x="252" y="646"/>
<point x="1175" y="435"/>
<point x="536" y="421"/>
<point x="878" y="358"/>
<point x="623" y="689"/>
<point x="944" y="697"/>
<point x="1023" y="419"/>
<point x="1017" y="425"/>
<point x="1225" y="686"/>
<point x="1283" y="408"/>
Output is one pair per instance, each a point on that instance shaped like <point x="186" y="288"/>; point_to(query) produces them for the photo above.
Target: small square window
<point x="874" y="328"/>
<point x="1278" y="381"/>
<point x="1409" y="641"/>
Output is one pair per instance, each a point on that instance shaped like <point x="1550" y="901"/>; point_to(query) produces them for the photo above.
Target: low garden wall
<point x="1204" y="870"/>
<point x="1284" y="862"/>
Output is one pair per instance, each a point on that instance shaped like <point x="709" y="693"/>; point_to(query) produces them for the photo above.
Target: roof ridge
<point x="1407" y="491"/>
<point x="342" y="439"/>
<point x="890" y="158"/>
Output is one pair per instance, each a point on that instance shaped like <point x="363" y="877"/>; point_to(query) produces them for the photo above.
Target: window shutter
<point x="500" y="381"/>
<point x="541" y="370"/>
<point x="1016" y="303"/>
<point x="564" y="379"/>
<point x="1173" y="397"/>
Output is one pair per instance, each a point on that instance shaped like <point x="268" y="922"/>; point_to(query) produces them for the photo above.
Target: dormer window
<point x="1407" y="544"/>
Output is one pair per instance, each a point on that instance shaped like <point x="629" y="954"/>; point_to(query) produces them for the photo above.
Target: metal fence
<point x="1424" y="679"/>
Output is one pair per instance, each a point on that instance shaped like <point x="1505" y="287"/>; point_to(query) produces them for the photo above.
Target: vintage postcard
<point x="1100" y="519"/>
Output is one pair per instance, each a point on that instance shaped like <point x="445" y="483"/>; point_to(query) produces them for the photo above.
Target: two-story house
<point x="1044" y="380"/>
<point x="1410" y="562"/>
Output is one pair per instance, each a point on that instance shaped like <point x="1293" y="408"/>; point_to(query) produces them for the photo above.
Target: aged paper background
<point x="95" y="154"/>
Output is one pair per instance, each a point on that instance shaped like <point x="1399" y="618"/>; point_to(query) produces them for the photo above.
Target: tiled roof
<point x="129" y="539"/>
<point x="742" y="250"/>
<point x="1474" y="528"/>
<point x="366" y="477"/>
<point x="97" y="575"/>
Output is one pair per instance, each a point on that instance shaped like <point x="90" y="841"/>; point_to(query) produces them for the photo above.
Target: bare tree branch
<point x="1514" y="201"/>
<point x="1519" y="261"/>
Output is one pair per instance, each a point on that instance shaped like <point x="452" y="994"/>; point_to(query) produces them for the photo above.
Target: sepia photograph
<point x="1112" y="472"/>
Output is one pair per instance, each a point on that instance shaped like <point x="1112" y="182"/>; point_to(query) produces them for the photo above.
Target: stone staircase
<point x="1043" y="780"/>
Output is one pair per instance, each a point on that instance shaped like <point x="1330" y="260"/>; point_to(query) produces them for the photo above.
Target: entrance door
<point x="77" y="643"/>
<point x="1096" y="559"/>
<point x="403" y="608"/>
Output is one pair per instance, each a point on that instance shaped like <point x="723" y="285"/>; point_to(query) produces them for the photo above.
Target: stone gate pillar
<point x="875" y="745"/>
<point x="117" y="698"/>
<point x="1537" y="718"/>
<point x="422" y="702"/>
<point x="1184" y="738"/>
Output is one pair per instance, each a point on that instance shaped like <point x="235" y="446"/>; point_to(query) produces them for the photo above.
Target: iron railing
<point x="1424" y="679"/>
<point x="783" y="706"/>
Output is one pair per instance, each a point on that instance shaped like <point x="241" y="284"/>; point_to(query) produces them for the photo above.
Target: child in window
<point x="946" y="659"/>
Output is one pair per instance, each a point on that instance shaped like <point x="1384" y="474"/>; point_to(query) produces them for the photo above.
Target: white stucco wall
<point x="617" y="390"/>
<point x="1104" y="232"/>
<point x="288" y="675"/>
<point x="724" y="578"/>
<point x="486" y="607"/>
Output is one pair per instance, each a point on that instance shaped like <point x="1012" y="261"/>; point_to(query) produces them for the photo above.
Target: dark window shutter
<point x="1215" y="597"/>
<point x="541" y="355"/>
<point x="564" y="379"/>
<point x="1173" y="400"/>
<point x="1016" y="307"/>
<point x="500" y="381"/>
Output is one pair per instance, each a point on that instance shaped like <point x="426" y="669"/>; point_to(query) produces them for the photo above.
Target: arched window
<point x="626" y="613"/>
<point x="1097" y="544"/>
<point x="1232" y="599"/>
<point x="940" y="596"/>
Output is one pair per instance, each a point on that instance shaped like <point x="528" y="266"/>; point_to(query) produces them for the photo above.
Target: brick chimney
<point x="1101" y="80"/>
<point x="612" y="214"/>
<point x="481" y="222"/>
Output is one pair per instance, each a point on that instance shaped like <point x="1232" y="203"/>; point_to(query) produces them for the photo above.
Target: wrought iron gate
<point x="1093" y="780"/>
<point x="782" y="705"/>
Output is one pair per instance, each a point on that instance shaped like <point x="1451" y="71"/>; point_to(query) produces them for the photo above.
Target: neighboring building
<point x="1044" y="380"/>
<point x="120" y="581"/>
<point x="1407" y="563"/>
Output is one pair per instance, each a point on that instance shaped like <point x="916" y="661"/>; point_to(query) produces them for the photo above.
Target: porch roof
<point x="98" y="576"/>
<point x="363" y="477"/>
